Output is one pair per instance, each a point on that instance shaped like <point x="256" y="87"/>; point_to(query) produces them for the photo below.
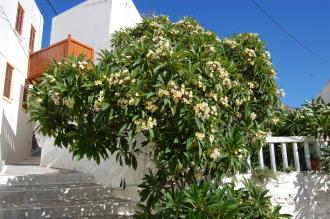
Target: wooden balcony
<point x="40" y="60"/>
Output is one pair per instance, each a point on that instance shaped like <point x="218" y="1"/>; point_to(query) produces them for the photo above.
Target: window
<point x="25" y="93"/>
<point x="8" y="77"/>
<point x="32" y="38"/>
<point x="19" y="19"/>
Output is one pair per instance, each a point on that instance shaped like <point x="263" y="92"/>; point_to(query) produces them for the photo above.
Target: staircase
<point x="57" y="194"/>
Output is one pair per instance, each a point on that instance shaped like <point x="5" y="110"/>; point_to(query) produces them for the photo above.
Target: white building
<point x="325" y="93"/>
<point x="92" y="23"/>
<point x="21" y="25"/>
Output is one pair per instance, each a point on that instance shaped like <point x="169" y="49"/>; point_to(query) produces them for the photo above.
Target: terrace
<point x="40" y="60"/>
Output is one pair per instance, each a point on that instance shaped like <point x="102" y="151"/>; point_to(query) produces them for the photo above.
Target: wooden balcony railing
<point x="40" y="60"/>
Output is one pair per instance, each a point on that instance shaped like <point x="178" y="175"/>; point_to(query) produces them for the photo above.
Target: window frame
<point x="19" y="19"/>
<point x="8" y="81"/>
<point x="32" y="38"/>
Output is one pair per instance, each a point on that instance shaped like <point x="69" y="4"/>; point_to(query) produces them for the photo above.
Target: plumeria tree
<point x="203" y="104"/>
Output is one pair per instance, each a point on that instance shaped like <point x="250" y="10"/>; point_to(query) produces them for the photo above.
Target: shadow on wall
<point x="16" y="144"/>
<point x="313" y="196"/>
<point x="7" y="138"/>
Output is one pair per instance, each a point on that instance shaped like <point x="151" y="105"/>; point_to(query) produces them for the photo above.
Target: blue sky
<point x="301" y="74"/>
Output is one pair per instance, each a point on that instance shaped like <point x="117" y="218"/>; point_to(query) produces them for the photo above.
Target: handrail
<point x="289" y="139"/>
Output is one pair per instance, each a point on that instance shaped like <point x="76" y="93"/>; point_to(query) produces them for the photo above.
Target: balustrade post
<point x="261" y="159"/>
<point x="284" y="155"/>
<point x="272" y="156"/>
<point x="296" y="156"/>
<point x="307" y="156"/>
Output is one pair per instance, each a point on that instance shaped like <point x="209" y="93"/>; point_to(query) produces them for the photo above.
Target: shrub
<point x="311" y="120"/>
<point x="211" y="200"/>
<point x="205" y="104"/>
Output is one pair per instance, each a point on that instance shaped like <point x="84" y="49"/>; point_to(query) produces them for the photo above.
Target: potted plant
<point x="315" y="159"/>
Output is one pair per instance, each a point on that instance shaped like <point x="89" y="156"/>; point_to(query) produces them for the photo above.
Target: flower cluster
<point x="209" y="48"/>
<point x="224" y="101"/>
<point x="157" y="26"/>
<point x="275" y="120"/>
<point x="272" y="72"/>
<point x="216" y="154"/>
<point x="240" y="153"/>
<point x="212" y="95"/>
<point x="231" y="43"/>
<point x="200" y="136"/>
<point x="163" y="92"/>
<point x="51" y="78"/>
<point x="260" y="135"/>
<point x="202" y="110"/>
<point x="120" y="78"/>
<point x="178" y="93"/>
<point x="215" y="68"/>
<point x="251" y="85"/>
<point x="253" y="116"/>
<point x="99" y="101"/>
<point x="82" y="64"/>
<point x="98" y="83"/>
<point x="55" y="96"/>
<point x="69" y="102"/>
<point x="190" y="27"/>
<point x="239" y="101"/>
<point x="128" y="99"/>
<point x="211" y="138"/>
<point x="143" y="125"/>
<point x="280" y="92"/>
<point x="150" y="105"/>
<point x="161" y="45"/>
<point x="250" y="55"/>
<point x="266" y="55"/>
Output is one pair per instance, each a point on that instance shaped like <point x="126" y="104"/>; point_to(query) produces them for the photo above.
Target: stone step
<point x="110" y="208"/>
<point x="109" y="217"/>
<point x="37" y="179"/>
<point x="27" y="193"/>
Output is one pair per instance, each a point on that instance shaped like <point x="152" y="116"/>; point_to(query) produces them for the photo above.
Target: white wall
<point x="304" y="195"/>
<point x="109" y="172"/>
<point x="325" y="93"/>
<point x="93" y="21"/>
<point x="123" y="14"/>
<point x="15" y="132"/>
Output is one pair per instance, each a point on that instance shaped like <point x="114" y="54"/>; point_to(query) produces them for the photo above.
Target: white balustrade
<point x="307" y="156"/>
<point x="308" y="143"/>
<point x="272" y="156"/>
<point x="284" y="155"/>
<point x="261" y="159"/>
<point x="296" y="156"/>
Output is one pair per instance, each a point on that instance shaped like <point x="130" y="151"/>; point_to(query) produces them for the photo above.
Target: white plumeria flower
<point x="280" y="93"/>
<point x="253" y="116"/>
<point x="200" y="136"/>
<point x="74" y="65"/>
<point x="215" y="155"/>
<point x="98" y="82"/>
